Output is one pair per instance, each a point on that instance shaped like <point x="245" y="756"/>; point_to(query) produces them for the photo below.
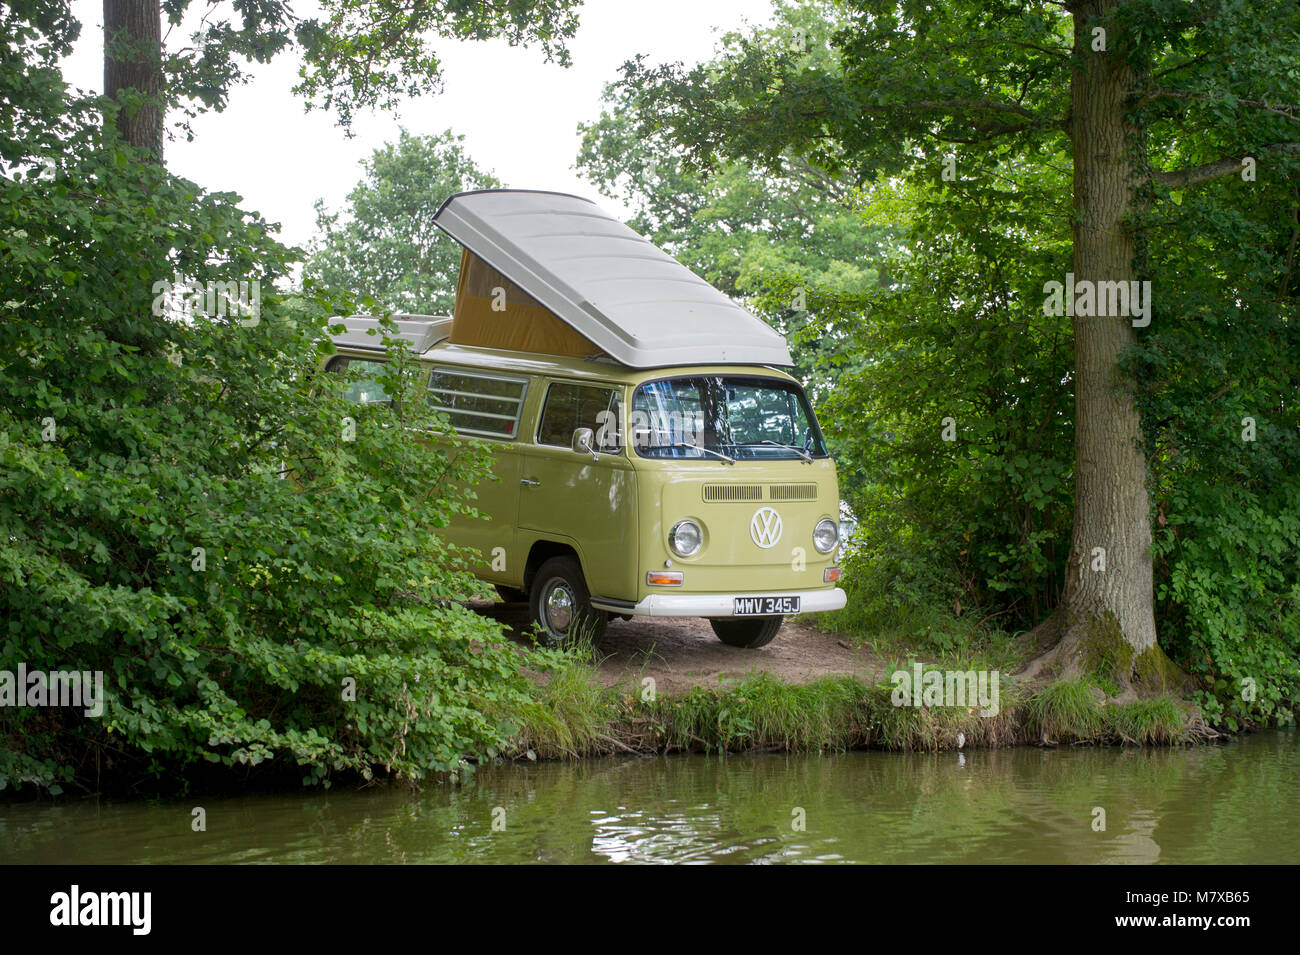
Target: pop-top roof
<point x="611" y="285"/>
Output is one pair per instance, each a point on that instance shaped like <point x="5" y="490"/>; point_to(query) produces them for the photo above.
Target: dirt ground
<point x="682" y="652"/>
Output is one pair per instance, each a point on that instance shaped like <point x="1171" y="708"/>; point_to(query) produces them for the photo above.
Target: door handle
<point x="529" y="482"/>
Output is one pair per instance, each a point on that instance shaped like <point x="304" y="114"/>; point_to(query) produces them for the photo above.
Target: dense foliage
<point x="384" y="245"/>
<point x="189" y="508"/>
<point x="949" y="412"/>
<point x="1220" y="373"/>
<point x="950" y="405"/>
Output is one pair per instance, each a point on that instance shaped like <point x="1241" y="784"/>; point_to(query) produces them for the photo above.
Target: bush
<point x="182" y="507"/>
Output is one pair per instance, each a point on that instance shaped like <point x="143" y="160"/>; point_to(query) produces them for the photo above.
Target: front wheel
<point x="748" y="633"/>
<point x="561" y="603"/>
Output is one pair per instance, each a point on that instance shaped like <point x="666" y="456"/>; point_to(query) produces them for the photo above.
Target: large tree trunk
<point x="1106" y="622"/>
<point x="132" y="68"/>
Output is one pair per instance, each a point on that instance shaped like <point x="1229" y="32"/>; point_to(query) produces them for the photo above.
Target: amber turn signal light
<point x="664" y="578"/>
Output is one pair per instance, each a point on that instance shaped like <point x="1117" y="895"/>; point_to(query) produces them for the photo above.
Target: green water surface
<point x="1224" y="804"/>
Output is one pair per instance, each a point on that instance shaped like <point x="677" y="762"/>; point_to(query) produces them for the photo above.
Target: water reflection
<point x="1233" y="804"/>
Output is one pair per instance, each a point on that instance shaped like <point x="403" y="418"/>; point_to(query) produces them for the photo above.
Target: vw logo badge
<point x="765" y="527"/>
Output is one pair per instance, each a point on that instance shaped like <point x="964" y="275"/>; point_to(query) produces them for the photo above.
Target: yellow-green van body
<point x="614" y="511"/>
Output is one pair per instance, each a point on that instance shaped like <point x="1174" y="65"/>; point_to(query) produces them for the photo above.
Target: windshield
<point x="706" y="417"/>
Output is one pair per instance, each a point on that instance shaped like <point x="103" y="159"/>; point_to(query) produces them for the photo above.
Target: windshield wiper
<point x="698" y="447"/>
<point x="789" y="447"/>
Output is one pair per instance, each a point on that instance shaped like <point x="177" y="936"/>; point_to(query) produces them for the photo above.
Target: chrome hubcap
<point x="559" y="607"/>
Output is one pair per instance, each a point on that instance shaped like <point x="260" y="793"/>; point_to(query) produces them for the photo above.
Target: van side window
<point x="364" y="389"/>
<point x="477" y="403"/>
<point x="569" y="407"/>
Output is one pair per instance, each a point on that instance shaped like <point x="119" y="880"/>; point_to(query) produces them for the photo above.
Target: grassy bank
<point x="574" y="716"/>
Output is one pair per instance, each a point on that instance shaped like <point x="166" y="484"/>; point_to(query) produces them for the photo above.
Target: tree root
<point x="1078" y="646"/>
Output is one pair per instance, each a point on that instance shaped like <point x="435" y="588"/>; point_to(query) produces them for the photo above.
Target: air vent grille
<point x="733" y="492"/>
<point x="793" y="492"/>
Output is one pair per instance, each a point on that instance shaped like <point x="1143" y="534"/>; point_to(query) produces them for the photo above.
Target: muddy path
<point x="682" y="652"/>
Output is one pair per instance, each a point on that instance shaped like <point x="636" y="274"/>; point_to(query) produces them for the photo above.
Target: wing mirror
<point x="582" y="443"/>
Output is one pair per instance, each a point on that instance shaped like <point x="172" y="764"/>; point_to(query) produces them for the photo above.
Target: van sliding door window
<point x="487" y="406"/>
<point x="364" y="387"/>
<point x="570" y="407"/>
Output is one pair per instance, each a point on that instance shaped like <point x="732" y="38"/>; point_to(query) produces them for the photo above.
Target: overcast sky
<point x="519" y="114"/>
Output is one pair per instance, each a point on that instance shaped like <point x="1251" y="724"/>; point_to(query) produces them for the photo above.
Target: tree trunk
<point x="133" y="69"/>
<point x="1106" y="622"/>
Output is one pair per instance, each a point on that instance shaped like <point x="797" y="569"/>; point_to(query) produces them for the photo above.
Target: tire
<point x="554" y="579"/>
<point x="748" y="633"/>
<point x="511" y="595"/>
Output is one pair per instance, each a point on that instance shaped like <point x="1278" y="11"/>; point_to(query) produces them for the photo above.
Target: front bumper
<point x="718" y="605"/>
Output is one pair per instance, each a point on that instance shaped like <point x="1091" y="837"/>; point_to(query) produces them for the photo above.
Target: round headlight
<point x="685" y="538"/>
<point x="826" y="535"/>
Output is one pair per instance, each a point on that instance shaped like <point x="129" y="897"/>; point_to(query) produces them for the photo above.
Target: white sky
<point x="281" y="159"/>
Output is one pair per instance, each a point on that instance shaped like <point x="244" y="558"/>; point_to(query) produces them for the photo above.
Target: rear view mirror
<point x="582" y="443"/>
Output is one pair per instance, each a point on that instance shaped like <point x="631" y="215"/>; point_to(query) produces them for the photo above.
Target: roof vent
<point x="421" y="332"/>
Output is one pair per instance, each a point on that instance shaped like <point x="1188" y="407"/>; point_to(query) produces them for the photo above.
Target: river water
<point x="1225" y="804"/>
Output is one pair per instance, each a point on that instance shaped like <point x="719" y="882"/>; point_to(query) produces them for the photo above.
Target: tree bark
<point x="133" y="67"/>
<point x="1104" y="609"/>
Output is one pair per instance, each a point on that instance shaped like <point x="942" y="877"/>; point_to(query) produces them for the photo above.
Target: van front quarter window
<point x="741" y="417"/>
<point x="570" y="406"/>
<point x="363" y="385"/>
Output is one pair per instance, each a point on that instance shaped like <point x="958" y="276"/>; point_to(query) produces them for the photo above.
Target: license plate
<point x="764" y="606"/>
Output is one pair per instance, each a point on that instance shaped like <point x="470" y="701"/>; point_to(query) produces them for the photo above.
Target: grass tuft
<point x="1159" y="720"/>
<point x="1066" y="711"/>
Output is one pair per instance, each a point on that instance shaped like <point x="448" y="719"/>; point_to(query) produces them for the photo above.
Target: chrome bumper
<point x="718" y="605"/>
